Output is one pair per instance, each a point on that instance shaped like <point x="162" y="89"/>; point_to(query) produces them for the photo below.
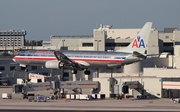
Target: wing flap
<point x="83" y="63"/>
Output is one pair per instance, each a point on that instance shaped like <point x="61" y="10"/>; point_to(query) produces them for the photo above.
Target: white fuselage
<point x="89" y="58"/>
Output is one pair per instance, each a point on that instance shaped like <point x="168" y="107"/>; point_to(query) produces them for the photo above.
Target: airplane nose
<point x="14" y="59"/>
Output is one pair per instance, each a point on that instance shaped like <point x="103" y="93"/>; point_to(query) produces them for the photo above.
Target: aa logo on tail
<point x="138" y="42"/>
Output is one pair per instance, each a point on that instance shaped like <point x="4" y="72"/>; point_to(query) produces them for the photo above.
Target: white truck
<point x="20" y="81"/>
<point x="6" y="96"/>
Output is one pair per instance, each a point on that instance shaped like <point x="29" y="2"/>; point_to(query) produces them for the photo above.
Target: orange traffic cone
<point x="67" y="100"/>
<point x="151" y="101"/>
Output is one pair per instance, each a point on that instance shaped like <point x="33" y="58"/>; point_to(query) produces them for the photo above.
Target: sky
<point x="43" y="18"/>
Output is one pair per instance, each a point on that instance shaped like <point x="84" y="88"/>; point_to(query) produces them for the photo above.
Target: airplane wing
<point x="66" y="61"/>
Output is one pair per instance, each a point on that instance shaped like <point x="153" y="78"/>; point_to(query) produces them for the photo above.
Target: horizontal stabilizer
<point x="139" y="55"/>
<point x="152" y="55"/>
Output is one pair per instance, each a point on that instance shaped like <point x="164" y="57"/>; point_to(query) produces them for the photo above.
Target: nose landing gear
<point x="86" y="72"/>
<point x="74" y="71"/>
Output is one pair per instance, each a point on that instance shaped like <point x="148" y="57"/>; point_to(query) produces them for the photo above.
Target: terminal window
<point x="66" y="74"/>
<point x="12" y="67"/>
<point x="45" y="73"/>
<point x="168" y="44"/>
<point x="23" y="68"/>
<point x="2" y="68"/>
<point x="34" y="68"/>
<point x="87" y="44"/>
<point x="116" y="44"/>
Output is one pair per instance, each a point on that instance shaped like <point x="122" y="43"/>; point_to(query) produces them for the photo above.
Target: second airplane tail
<point x="139" y="43"/>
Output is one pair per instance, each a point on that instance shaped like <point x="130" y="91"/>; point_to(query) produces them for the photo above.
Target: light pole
<point x="13" y="75"/>
<point x="13" y="42"/>
<point x="62" y="69"/>
<point x="98" y="44"/>
<point x="173" y="41"/>
<point x="98" y="50"/>
<point x="5" y="45"/>
<point x="111" y="72"/>
<point x="31" y="44"/>
<point x="63" y="44"/>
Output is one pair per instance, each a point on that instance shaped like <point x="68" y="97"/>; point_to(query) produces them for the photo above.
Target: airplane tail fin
<point x="139" y="43"/>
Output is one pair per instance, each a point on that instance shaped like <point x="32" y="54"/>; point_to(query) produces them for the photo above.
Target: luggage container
<point x="85" y="97"/>
<point x="77" y="96"/>
<point x="40" y="98"/>
<point x="176" y="100"/>
<point x="94" y="96"/>
<point x="37" y="98"/>
<point x="68" y="96"/>
<point x="101" y="96"/>
<point x="73" y="96"/>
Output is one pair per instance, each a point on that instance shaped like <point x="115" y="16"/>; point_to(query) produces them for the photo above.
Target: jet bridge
<point x="170" y="89"/>
<point x="79" y="84"/>
<point x="125" y="87"/>
<point x="29" y="87"/>
<point x="53" y="85"/>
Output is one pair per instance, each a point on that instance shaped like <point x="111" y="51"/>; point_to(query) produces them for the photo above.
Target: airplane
<point x="83" y="60"/>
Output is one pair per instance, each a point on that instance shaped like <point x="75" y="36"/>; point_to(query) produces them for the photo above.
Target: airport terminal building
<point x="162" y="71"/>
<point x="107" y="39"/>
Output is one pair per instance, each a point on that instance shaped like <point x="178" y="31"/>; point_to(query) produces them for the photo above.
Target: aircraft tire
<point x="26" y="70"/>
<point x="87" y="72"/>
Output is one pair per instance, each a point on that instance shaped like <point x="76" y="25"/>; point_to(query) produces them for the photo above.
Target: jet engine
<point x="53" y="64"/>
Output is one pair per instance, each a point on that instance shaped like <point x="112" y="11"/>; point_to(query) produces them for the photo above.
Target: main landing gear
<point x="86" y="72"/>
<point x="26" y="69"/>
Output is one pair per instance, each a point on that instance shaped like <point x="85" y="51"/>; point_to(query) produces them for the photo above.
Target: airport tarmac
<point x="19" y="104"/>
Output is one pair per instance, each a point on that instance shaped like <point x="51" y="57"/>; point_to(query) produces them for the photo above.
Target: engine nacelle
<point x="52" y="64"/>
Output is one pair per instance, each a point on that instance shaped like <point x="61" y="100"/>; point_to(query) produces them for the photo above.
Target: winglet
<point x="139" y="43"/>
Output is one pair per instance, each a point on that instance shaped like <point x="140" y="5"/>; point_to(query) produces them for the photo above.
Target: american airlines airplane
<point x="83" y="60"/>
